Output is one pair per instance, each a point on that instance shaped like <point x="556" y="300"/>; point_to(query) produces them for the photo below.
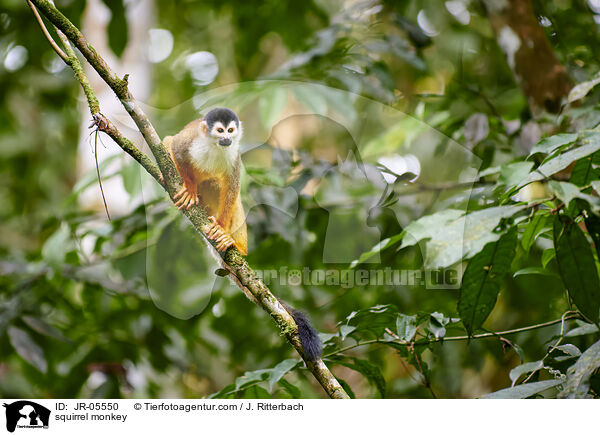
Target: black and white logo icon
<point x="26" y="414"/>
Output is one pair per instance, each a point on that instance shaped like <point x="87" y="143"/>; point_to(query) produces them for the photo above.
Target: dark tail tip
<point x="308" y="335"/>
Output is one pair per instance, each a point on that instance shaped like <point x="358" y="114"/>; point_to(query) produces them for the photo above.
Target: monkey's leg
<point x="188" y="194"/>
<point x="238" y="227"/>
<point x="219" y="235"/>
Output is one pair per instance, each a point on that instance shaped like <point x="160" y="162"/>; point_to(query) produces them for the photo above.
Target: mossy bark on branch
<point x="103" y="123"/>
<point x="119" y="86"/>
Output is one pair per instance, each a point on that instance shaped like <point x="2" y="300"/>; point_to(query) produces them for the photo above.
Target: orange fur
<point x="218" y="193"/>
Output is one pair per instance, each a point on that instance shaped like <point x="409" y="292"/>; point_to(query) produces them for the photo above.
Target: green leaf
<point x="42" y="327"/>
<point x="256" y="392"/>
<point x="490" y="171"/>
<point x="519" y="351"/>
<point x="584" y="172"/>
<point x="373" y="320"/>
<point x="581" y="90"/>
<point x="226" y="392"/>
<point x="248" y="382"/>
<point x="541" y="220"/>
<point x="369" y="371"/>
<point x="381" y="246"/>
<point x="529" y="367"/>
<point x="523" y="391"/>
<point x="577" y="267"/>
<point x="550" y="144"/>
<point x="566" y="192"/>
<point x="592" y="223"/>
<point x="454" y="237"/>
<point x="428" y="227"/>
<point x="436" y="324"/>
<point x="27" y="348"/>
<point x="345" y="330"/>
<point x="482" y="278"/>
<point x="591" y="144"/>
<point x="118" y="31"/>
<point x="277" y="372"/>
<point x="406" y="326"/>
<point x="513" y="173"/>
<point x="569" y="349"/>
<point x="582" y="329"/>
<point x="547" y="256"/>
<point x="251" y="378"/>
<point x="579" y="374"/>
<point x="58" y="244"/>
<point x="291" y="389"/>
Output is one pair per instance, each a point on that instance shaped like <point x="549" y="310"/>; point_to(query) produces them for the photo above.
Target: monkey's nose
<point x="225" y="142"/>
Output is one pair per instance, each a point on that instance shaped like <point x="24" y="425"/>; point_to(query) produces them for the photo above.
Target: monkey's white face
<point x="226" y="135"/>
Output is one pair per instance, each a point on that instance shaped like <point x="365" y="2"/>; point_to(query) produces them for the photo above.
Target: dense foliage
<point x="443" y="237"/>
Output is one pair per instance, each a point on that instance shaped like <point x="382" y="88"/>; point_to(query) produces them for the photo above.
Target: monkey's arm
<point x="188" y="195"/>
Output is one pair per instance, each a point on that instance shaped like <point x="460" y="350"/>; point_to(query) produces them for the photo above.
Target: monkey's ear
<point x="204" y="127"/>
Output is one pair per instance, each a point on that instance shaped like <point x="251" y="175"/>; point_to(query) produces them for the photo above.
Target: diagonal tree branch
<point x="100" y="120"/>
<point x="234" y="262"/>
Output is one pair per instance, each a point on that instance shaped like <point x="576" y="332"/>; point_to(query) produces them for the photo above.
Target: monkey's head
<point x="224" y="126"/>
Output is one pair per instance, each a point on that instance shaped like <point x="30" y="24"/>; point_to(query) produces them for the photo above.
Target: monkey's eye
<point x="220" y="130"/>
<point x="230" y="130"/>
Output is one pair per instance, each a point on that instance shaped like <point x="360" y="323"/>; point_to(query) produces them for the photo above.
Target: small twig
<point x="557" y="208"/>
<point x="426" y="381"/>
<point x="99" y="177"/>
<point x="104" y="125"/>
<point x="119" y="87"/>
<point x="554" y="346"/>
<point x="47" y="34"/>
<point x="569" y="315"/>
<point x="99" y="120"/>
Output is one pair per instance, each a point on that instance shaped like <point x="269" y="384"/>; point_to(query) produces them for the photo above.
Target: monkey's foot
<point x="185" y="198"/>
<point x="216" y="233"/>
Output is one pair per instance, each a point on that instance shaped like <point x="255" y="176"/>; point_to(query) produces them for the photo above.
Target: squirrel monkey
<point x="207" y="156"/>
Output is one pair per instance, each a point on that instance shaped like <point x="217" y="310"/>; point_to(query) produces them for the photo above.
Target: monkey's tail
<point x="308" y="335"/>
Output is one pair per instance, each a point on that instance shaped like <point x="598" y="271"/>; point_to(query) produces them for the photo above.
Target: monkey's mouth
<point x="224" y="142"/>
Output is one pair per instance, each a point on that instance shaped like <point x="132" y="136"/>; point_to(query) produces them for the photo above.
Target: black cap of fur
<point x="222" y="114"/>
<point x="308" y="335"/>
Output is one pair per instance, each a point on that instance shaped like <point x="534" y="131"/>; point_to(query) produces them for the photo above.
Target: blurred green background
<point x="329" y="91"/>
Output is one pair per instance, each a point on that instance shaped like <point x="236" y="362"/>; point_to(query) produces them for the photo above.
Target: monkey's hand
<point x="217" y="233"/>
<point x="186" y="197"/>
